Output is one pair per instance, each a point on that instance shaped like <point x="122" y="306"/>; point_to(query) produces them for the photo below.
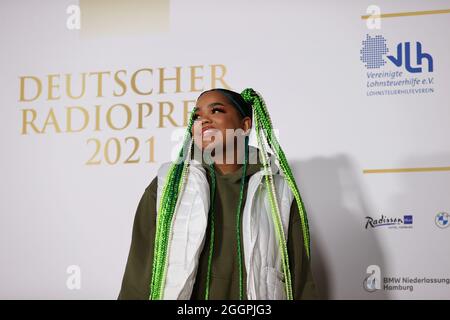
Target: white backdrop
<point x="65" y="226"/>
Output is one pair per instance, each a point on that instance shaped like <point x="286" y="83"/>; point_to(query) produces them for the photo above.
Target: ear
<point x="246" y="124"/>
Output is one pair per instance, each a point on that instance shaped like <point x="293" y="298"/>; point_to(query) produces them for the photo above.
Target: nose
<point x="205" y="121"/>
<point x="201" y="122"/>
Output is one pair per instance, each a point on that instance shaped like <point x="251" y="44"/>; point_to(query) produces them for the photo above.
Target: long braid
<point x="265" y="136"/>
<point x="276" y="217"/>
<point x="172" y="189"/>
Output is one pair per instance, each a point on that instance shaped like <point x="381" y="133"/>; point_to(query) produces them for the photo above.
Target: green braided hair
<point x="172" y="188"/>
<point x="266" y="138"/>
<point x="176" y="179"/>
<point x="264" y="129"/>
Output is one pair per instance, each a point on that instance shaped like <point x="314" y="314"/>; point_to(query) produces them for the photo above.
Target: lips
<point x="206" y="128"/>
<point x="208" y="131"/>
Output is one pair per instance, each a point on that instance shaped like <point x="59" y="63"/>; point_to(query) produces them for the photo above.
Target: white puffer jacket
<point x="265" y="278"/>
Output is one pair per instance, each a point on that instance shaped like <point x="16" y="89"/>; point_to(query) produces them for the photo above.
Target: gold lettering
<point x="120" y="82"/>
<point x="108" y="116"/>
<point x="168" y="116"/>
<point x="186" y="112"/>
<point x="194" y="77"/>
<point x="97" y="118"/>
<point x="52" y="86"/>
<point x="69" y="86"/>
<point x="215" y="78"/>
<point x="22" y="88"/>
<point x="133" y="82"/>
<point x="162" y="78"/>
<point x="100" y="81"/>
<point x="26" y="122"/>
<point x="69" y="119"/>
<point x="51" y="120"/>
<point x="141" y="111"/>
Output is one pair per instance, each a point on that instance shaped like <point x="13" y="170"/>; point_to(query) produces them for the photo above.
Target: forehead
<point x="210" y="97"/>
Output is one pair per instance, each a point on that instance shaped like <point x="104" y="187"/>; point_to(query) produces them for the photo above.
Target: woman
<point x="223" y="221"/>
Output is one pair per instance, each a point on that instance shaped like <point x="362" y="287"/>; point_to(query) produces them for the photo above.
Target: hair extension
<point x="262" y="117"/>
<point x="171" y="191"/>
<point x="265" y="137"/>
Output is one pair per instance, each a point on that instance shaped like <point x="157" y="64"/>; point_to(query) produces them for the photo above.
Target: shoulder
<point x="153" y="186"/>
<point x="161" y="173"/>
<point x="164" y="169"/>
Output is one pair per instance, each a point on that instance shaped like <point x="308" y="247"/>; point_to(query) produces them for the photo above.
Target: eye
<point x="217" y="110"/>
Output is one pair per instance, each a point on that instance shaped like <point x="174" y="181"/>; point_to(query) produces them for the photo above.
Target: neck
<point x="225" y="167"/>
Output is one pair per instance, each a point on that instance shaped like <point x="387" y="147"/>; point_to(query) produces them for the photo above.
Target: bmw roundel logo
<point x="442" y="220"/>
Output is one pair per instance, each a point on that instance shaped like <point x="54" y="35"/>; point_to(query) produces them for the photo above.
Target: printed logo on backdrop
<point x="442" y="220"/>
<point x="397" y="67"/>
<point x="401" y="222"/>
<point x="374" y="281"/>
<point x="115" y="112"/>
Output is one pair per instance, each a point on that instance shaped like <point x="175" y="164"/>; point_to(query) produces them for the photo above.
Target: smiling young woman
<point x="224" y="220"/>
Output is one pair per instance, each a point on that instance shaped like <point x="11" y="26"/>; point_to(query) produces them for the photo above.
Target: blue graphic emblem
<point x="398" y="60"/>
<point x="442" y="220"/>
<point x="373" y="51"/>
<point x="408" y="219"/>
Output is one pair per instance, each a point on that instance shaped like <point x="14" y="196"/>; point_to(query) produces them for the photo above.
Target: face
<point x="217" y="121"/>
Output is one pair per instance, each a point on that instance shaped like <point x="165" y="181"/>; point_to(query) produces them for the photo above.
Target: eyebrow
<point x="213" y="104"/>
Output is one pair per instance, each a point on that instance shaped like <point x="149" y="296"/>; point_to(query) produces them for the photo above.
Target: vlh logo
<point x="375" y="48"/>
